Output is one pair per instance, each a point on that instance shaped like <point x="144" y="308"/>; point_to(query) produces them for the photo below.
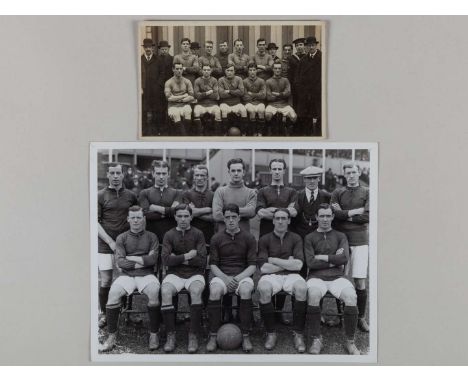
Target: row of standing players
<point x="302" y="70"/>
<point x="184" y="223"/>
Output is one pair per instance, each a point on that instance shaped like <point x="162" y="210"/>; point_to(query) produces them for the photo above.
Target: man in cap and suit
<point x="293" y="65"/>
<point x="149" y="87"/>
<point x="308" y="83"/>
<point x="164" y="72"/>
<point x="272" y="49"/>
<point x="195" y="48"/>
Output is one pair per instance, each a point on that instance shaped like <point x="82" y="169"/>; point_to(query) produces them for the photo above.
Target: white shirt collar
<point x="308" y="194"/>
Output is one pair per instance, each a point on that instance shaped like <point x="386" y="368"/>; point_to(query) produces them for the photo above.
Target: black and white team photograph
<point x="233" y="251"/>
<point x="232" y="79"/>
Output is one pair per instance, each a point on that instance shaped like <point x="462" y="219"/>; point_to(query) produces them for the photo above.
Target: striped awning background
<point x="279" y="34"/>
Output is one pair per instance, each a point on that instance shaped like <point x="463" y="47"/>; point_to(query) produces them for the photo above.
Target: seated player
<point x="278" y="91"/>
<point x="179" y="94"/>
<point x="327" y="253"/>
<point x="136" y="252"/>
<point x="231" y="89"/>
<point x="280" y="258"/>
<point x="254" y="99"/>
<point x="184" y="254"/>
<point x="207" y="95"/>
<point x="233" y="260"/>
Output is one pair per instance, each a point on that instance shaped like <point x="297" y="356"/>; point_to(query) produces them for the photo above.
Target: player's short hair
<point x="261" y="39"/>
<point x="280" y="160"/>
<point x="114" y="164"/>
<point x="285" y="210"/>
<point x="285" y="45"/>
<point x="251" y="65"/>
<point x="160" y="164"/>
<point x="201" y="167"/>
<point x="351" y="165"/>
<point x="229" y="66"/>
<point x="185" y="39"/>
<point x="177" y="63"/>
<point x="209" y="42"/>
<point x="324" y="206"/>
<point x="183" y="207"/>
<point x="223" y="42"/>
<point x="231" y="207"/>
<point x="135" y="209"/>
<point x="235" y="161"/>
<point x="236" y="40"/>
<point x="206" y="65"/>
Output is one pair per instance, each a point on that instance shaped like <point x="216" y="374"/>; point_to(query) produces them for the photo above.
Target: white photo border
<point x="370" y="357"/>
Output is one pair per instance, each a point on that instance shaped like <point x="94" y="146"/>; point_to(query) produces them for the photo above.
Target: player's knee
<point x="152" y="292"/>
<point x="268" y="116"/>
<point x="293" y="117"/>
<point x="265" y="289"/>
<point x="348" y="296"/>
<point x="360" y="283"/>
<point x="300" y="290"/>
<point x="261" y="114"/>
<point x="245" y="291"/>
<point x="314" y="295"/>
<point x="115" y="294"/>
<point x="166" y="292"/>
<point x="216" y="291"/>
<point x="196" y="289"/>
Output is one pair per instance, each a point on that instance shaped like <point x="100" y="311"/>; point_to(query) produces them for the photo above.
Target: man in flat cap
<point x="293" y="65"/>
<point x="164" y="72"/>
<point x="308" y="83"/>
<point x="272" y="49"/>
<point x="149" y="79"/>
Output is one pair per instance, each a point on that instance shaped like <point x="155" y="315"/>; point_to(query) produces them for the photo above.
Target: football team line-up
<point x="325" y="249"/>
<point x="232" y="93"/>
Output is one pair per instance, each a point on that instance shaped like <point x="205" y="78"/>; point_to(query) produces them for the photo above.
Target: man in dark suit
<point x="164" y="72"/>
<point x="148" y="86"/>
<point x="307" y="204"/>
<point x="308" y="83"/>
<point x="293" y="65"/>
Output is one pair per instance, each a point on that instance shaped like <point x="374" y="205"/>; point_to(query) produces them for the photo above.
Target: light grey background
<point x="400" y="81"/>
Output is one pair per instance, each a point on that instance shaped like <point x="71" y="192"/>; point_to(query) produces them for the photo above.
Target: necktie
<point x="311" y="197"/>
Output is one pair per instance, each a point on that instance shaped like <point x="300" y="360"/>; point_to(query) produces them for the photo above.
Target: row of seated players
<point x="255" y="101"/>
<point x="233" y="260"/>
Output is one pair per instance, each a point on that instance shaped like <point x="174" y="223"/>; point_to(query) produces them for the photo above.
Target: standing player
<point x="287" y="54"/>
<point x="235" y="193"/>
<point x="179" y="94"/>
<point x="275" y="196"/>
<point x="278" y="91"/>
<point x="200" y="199"/>
<point x="239" y="59"/>
<point x="149" y="79"/>
<point x="212" y="61"/>
<point x="113" y="204"/>
<point x="231" y="89"/>
<point x="184" y="255"/>
<point x="233" y="261"/>
<point x="137" y="252"/>
<point x="262" y="60"/>
<point x="351" y="207"/>
<point x="207" y="94"/>
<point x="159" y="202"/>
<point x="280" y="258"/>
<point x="254" y="99"/>
<point x="223" y="56"/>
<point x="188" y="60"/>
<point x="327" y="253"/>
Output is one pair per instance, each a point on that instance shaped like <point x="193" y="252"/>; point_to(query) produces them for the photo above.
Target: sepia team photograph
<point x="233" y="252"/>
<point x="239" y="80"/>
